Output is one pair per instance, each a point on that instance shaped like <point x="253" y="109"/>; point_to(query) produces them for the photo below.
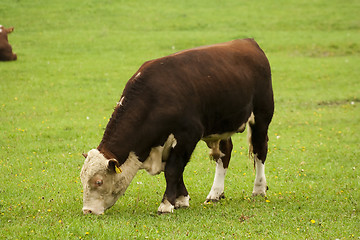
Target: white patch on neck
<point x="129" y="169"/>
<point x="1" y="30"/>
<point x="156" y="161"/>
<point x="138" y="74"/>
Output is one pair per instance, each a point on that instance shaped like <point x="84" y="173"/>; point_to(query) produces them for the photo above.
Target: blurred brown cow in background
<point x="6" y="53"/>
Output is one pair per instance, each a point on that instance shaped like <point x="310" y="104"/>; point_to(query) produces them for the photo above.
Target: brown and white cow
<point x="206" y="93"/>
<point x="6" y="53"/>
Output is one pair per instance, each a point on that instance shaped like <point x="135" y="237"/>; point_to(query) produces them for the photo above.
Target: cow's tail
<point x="250" y="122"/>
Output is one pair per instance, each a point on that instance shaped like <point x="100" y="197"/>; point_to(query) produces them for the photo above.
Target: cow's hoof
<point x="254" y="194"/>
<point x="259" y="190"/>
<point x="182" y="202"/>
<point x="214" y="199"/>
<point x="165" y="207"/>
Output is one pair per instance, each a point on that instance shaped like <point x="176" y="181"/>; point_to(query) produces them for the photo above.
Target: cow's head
<point x="104" y="180"/>
<point x="6" y="31"/>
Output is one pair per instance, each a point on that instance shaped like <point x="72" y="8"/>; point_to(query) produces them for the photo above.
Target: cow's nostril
<point x="87" y="211"/>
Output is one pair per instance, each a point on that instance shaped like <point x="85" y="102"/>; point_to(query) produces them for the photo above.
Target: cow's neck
<point x="124" y="134"/>
<point x="128" y="171"/>
<point x="118" y="146"/>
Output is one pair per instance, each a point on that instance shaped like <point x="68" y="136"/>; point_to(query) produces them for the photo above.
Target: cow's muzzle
<point x="89" y="211"/>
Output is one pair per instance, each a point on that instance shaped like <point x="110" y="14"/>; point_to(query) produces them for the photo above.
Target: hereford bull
<point x="6" y="53"/>
<point x="206" y="93"/>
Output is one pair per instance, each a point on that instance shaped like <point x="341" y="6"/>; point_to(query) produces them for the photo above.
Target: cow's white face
<point x="104" y="182"/>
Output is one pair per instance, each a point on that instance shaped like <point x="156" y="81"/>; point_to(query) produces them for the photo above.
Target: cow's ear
<point x="114" y="166"/>
<point x="10" y="30"/>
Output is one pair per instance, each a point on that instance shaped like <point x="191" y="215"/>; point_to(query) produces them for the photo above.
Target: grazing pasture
<point x="74" y="58"/>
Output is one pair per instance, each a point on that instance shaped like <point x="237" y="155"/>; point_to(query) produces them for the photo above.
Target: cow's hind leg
<point x="222" y="159"/>
<point x="258" y="146"/>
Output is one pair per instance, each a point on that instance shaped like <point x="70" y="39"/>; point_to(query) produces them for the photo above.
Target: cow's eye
<point x="99" y="182"/>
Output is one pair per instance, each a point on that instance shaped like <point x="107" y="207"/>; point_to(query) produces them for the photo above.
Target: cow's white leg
<point x="165" y="207"/>
<point x="260" y="186"/>
<point x="217" y="189"/>
<point x="182" y="202"/>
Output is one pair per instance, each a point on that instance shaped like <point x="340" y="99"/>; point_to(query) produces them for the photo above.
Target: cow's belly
<point x="216" y="137"/>
<point x="213" y="140"/>
<point x="225" y="119"/>
<point x="156" y="161"/>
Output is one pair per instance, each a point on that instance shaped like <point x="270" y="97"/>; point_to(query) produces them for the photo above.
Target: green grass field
<point x="74" y="58"/>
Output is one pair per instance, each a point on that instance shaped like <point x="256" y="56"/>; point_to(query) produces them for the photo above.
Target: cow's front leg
<point x="173" y="175"/>
<point x="217" y="190"/>
<point x="182" y="195"/>
<point x="176" y="195"/>
<point x="182" y="198"/>
<point x="169" y="201"/>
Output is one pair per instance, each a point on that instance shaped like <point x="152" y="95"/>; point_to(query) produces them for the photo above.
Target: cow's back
<point x="215" y="84"/>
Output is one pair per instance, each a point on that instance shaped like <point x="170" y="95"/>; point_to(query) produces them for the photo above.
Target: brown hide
<point x="191" y="94"/>
<point x="6" y="53"/>
<point x="206" y="93"/>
